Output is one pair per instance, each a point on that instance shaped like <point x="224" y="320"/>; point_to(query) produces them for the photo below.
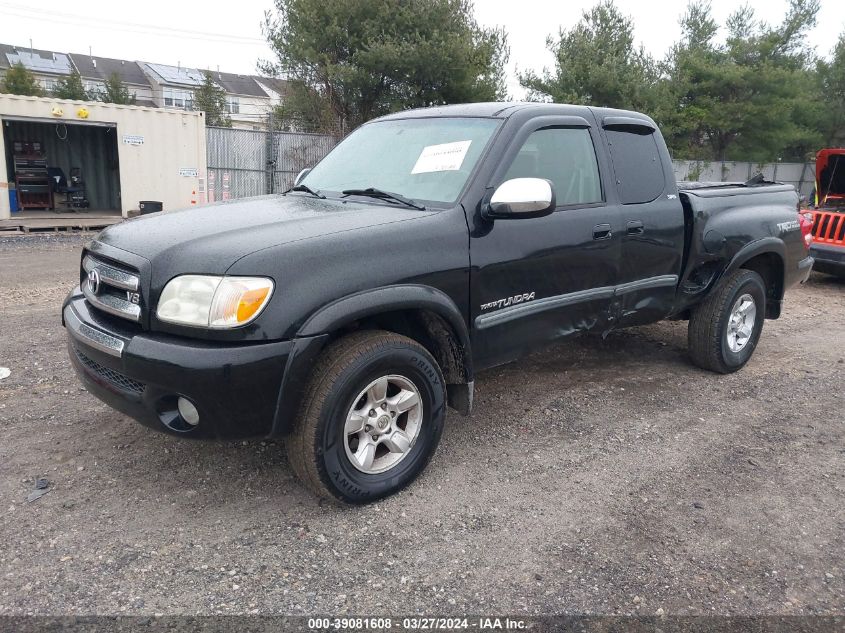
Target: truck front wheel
<point x="725" y="327"/>
<point x="370" y="419"/>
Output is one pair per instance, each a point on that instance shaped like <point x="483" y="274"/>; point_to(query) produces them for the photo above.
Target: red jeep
<point x="828" y="209"/>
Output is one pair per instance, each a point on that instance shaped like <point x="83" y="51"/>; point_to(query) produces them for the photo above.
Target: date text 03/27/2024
<point x="418" y="623"/>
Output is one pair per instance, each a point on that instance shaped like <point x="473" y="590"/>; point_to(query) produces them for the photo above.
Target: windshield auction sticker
<point x="443" y="157"/>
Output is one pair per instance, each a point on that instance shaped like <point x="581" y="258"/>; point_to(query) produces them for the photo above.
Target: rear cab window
<point x="635" y="154"/>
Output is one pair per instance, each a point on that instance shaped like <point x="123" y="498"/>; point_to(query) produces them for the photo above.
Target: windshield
<point x="421" y="159"/>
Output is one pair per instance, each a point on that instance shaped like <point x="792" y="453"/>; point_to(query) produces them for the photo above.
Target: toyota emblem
<point x="94" y="281"/>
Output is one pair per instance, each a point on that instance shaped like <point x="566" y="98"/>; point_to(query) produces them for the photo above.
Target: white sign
<point x="443" y="157"/>
<point x="133" y="139"/>
<point x="188" y="172"/>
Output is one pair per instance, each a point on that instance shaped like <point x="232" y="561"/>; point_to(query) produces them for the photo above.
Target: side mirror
<point x="521" y="198"/>
<point x="301" y="175"/>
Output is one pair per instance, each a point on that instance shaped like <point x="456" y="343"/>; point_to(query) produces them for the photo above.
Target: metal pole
<point x="271" y="158"/>
<point x="801" y="177"/>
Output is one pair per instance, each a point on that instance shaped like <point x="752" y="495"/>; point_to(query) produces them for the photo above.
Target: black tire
<point x="317" y="445"/>
<point x="708" y="325"/>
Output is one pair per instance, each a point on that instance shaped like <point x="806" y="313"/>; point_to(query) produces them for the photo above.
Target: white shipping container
<point x="161" y="152"/>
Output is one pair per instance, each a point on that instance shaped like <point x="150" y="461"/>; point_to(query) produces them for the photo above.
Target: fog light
<point x="188" y="411"/>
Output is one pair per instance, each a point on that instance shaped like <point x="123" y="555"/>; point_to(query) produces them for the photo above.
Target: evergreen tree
<point x="115" y="91"/>
<point x="20" y="81"/>
<point x="353" y="61"/>
<point x="211" y="99"/>
<point x="830" y="88"/>
<point x="71" y="87"/>
<point x="596" y="63"/>
<point x="749" y="98"/>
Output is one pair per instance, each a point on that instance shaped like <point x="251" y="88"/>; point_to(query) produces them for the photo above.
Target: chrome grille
<point x="106" y="287"/>
<point x="114" y="378"/>
<point x="113" y="276"/>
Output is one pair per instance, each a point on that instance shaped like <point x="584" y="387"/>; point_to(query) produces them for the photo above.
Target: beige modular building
<point x="60" y="156"/>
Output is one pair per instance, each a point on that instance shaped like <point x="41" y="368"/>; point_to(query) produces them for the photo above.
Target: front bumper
<point x="236" y="388"/>
<point x="828" y="259"/>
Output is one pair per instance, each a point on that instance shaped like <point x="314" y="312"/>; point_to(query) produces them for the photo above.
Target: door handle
<point x="635" y="227"/>
<point x="602" y="232"/>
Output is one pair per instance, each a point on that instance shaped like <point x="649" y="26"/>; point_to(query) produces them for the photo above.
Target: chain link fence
<point x="243" y="163"/>
<point x="237" y="163"/>
<point x="294" y="151"/>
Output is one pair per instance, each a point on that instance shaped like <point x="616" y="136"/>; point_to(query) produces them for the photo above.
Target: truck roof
<point x="506" y="109"/>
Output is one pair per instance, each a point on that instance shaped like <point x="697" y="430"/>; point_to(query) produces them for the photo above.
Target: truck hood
<point x="209" y="239"/>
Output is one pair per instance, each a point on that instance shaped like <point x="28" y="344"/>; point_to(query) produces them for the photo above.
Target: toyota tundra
<point x="347" y="313"/>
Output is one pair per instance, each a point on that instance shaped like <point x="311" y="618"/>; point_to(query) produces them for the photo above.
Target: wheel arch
<point x="767" y="258"/>
<point x="422" y="313"/>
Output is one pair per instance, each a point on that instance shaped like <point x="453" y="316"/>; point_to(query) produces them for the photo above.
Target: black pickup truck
<point x="347" y="313"/>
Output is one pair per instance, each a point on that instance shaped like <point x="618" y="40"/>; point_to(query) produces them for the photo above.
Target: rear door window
<point x="636" y="161"/>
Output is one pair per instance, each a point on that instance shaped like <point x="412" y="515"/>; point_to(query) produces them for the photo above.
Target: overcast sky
<point x="230" y="38"/>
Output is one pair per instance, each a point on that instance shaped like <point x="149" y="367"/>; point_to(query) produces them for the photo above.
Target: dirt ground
<point x="593" y="477"/>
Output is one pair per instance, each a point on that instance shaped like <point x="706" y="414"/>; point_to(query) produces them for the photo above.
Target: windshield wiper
<point x="307" y="189"/>
<point x="383" y="195"/>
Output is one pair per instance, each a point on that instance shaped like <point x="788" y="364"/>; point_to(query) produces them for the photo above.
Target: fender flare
<point x="389" y="299"/>
<point x="762" y="246"/>
<point x="313" y="336"/>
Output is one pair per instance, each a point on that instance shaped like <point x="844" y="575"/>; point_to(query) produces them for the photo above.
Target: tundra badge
<point x="503" y="303"/>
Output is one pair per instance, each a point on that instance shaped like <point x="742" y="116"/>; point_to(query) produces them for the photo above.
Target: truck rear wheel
<point x="725" y="327"/>
<point x="370" y="419"/>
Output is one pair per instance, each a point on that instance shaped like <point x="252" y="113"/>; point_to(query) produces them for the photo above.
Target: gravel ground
<point x="593" y="477"/>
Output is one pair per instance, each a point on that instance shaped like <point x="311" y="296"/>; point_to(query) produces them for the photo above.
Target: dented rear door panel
<point x="652" y="235"/>
<point x="536" y="280"/>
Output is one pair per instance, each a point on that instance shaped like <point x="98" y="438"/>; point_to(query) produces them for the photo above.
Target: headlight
<point x="214" y="302"/>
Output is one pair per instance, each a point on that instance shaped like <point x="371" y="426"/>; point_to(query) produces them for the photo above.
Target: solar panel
<point x="57" y="63"/>
<point x="178" y="74"/>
